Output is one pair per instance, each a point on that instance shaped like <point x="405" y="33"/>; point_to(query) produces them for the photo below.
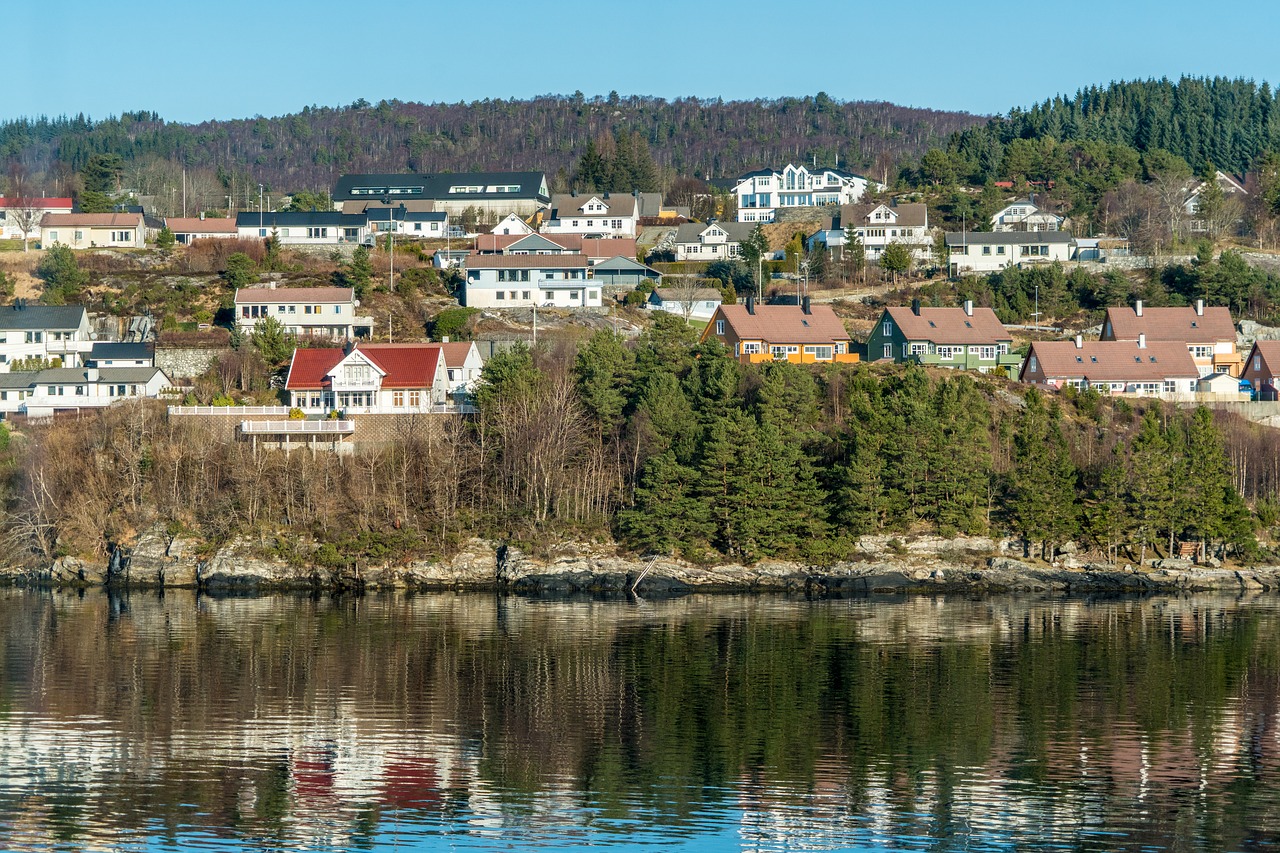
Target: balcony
<point x="298" y="427"/>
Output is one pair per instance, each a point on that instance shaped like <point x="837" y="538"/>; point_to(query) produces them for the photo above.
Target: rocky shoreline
<point x="920" y="566"/>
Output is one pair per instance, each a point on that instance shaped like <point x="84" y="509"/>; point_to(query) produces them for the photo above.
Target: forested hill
<point x="308" y="150"/>
<point x="1226" y="122"/>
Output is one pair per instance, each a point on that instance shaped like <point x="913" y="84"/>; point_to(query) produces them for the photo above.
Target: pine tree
<point x="603" y="368"/>
<point x="1152" y="497"/>
<point x="1107" y="514"/>
<point x="1208" y="489"/>
<point x="1043" y="482"/>
<point x="667" y="515"/>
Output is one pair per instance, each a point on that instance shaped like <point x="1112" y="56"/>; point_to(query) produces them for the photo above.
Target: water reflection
<point x="738" y="723"/>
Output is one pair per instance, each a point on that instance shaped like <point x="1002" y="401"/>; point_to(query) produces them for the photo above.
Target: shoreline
<point x="925" y="566"/>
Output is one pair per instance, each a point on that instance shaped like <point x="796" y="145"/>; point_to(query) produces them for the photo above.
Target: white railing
<point x="296" y="427"/>
<point x="236" y="411"/>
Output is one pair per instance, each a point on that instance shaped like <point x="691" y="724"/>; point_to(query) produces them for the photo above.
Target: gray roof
<point x="130" y="351"/>
<point x="107" y="375"/>
<point x="621" y="262"/>
<point x="674" y="294"/>
<point x="737" y="231"/>
<point x="1007" y="238"/>
<point x="41" y="316"/>
<point x="567" y="204"/>
<point x="423" y="186"/>
<point x="532" y="243"/>
<point x="17" y="379"/>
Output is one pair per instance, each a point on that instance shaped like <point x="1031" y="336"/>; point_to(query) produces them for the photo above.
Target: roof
<point x="911" y="215"/>
<point x="455" y="352"/>
<point x="41" y="316"/>
<point x="299" y="219"/>
<point x="477" y="261"/>
<point x="1007" y="238"/>
<point x="427" y="186"/>
<point x="103" y="351"/>
<point x="107" y="375"/>
<point x="91" y="220"/>
<point x="568" y="204"/>
<point x="1114" y="360"/>
<point x="1269" y="350"/>
<point x="783" y="324"/>
<point x="949" y="325"/>
<point x="196" y="225"/>
<point x="295" y="294"/>
<point x="1170" y="324"/>
<point x="689" y="232"/>
<point x="403" y="365"/>
<point x="701" y="294"/>
<point x="623" y="262"/>
<point x="41" y="203"/>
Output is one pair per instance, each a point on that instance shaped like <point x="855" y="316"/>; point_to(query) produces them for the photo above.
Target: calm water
<point x="472" y="722"/>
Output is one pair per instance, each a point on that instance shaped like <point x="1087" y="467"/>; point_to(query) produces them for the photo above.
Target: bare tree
<point x="24" y="208"/>
<point x="684" y="290"/>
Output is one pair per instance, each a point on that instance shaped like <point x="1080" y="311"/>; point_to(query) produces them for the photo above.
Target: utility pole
<point x="259" y="210"/>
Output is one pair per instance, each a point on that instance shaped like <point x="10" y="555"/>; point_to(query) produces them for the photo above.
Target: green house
<point x="965" y="338"/>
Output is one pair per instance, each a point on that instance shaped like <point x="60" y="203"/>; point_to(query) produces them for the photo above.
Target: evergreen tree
<point x="729" y="484"/>
<point x="272" y="342"/>
<point x="604" y="368"/>
<point x="1151" y="496"/>
<point x="165" y="239"/>
<point x="357" y="273"/>
<point x="591" y="173"/>
<point x="667" y="515"/>
<point x="1207" y="490"/>
<point x="1108" y="517"/>
<point x="240" y="270"/>
<point x="1043" y="481"/>
<point x="60" y="271"/>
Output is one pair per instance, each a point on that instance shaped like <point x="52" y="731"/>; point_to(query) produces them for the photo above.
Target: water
<point x="473" y="722"/>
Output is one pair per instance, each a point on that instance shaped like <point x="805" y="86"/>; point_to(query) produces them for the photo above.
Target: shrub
<point x="452" y="323"/>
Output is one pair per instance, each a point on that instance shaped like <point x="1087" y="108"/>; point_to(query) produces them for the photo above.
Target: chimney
<point x="1199" y="307"/>
<point x="1079" y="341"/>
<point x="751" y="305"/>
<point x="445" y="339"/>
<point x="1142" y="340"/>
<point x="805" y="307"/>
<point x="202" y="216"/>
<point x="1137" y="307"/>
<point x="968" y="307"/>
<point x="91" y="374"/>
<point x="915" y="307"/>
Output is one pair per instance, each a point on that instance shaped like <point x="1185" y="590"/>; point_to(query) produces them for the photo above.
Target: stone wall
<point x="186" y="362"/>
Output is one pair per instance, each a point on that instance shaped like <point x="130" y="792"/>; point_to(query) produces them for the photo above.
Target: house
<point x="1023" y="215"/>
<point x="493" y="194"/>
<point x="44" y="332"/>
<point x="878" y="225"/>
<point x="20" y="217"/>
<point x="1191" y="204"/>
<point x="1142" y="368"/>
<point x="599" y="214"/>
<point x="521" y="281"/>
<point x="369" y="379"/>
<point x="966" y="338"/>
<point x="87" y="230"/>
<point x="407" y="223"/>
<point x="688" y="303"/>
<point x="984" y="252"/>
<point x="40" y="394"/>
<point x="711" y="241"/>
<point x="512" y="224"/>
<point x="623" y="272"/>
<point x="187" y="229"/>
<point x="450" y="258"/>
<point x="1207" y="332"/>
<point x="103" y="354"/>
<point x="327" y="312"/>
<point x="802" y="333"/>
<point x="306" y="227"/>
<point x="762" y="192"/>
<point x="462" y="365"/>
<point x="1262" y="367"/>
<point x="1222" y="388"/>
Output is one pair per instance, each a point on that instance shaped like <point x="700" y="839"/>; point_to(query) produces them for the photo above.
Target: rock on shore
<point x="885" y="564"/>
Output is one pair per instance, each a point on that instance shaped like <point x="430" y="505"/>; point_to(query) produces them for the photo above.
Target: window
<point x="720" y="327"/>
<point x="888" y="350"/>
<point x="888" y="327"/>
<point x="79" y="236"/>
<point x="306" y="309"/>
<point x="500" y="295"/>
<point x="417" y="226"/>
<point x="121" y="236"/>
<point x="262" y="232"/>
<point x="1170" y="386"/>
<point x="317" y="233"/>
<point x="821" y="353"/>
<point x="337" y="309"/>
<point x="53" y="236"/>
<point x="415" y="398"/>
<point x="986" y="250"/>
<point x="79" y="390"/>
<point x="593" y="295"/>
<point x="244" y="312"/>
<point x="573" y="294"/>
<point x="919" y="349"/>
<point x="999" y="250"/>
<point x="397" y="398"/>
<point x="35" y="337"/>
<point x="1202" y="351"/>
<point x="1257" y="362"/>
<point x="279" y="309"/>
<point x="750" y="348"/>
<point x="987" y="353"/>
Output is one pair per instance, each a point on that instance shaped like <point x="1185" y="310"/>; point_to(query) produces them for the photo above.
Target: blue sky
<point x="232" y="58"/>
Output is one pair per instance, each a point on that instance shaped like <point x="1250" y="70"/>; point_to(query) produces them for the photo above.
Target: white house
<point x="369" y="379"/>
<point x="1023" y="215"/>
<point x="39" y="394"/>
<point x="1191" y="205"/>
<point x="710" y="241"/>
<point x="512" y="224"/>
<point x="187" y="229"/>
<point x="601" y="214"/>
<point x="43" y="332"/>
<point x="521" y="281"/>
<point x="327" y="312"/>
<point x="20" y="217"/>
<point x="107" y="354"/>
<point x="87" y="230"/>
<point x="687" y="303"/>
<point x="986" y="251"/>
<point x="462" y="365"/>
<point x="311" y="227"/>
<point x="878" y="225"/>
<point x="762" y="192"/>
<point x="408" y="223"/>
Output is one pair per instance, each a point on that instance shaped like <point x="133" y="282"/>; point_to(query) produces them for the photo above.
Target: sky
<point x="191" y="61"/>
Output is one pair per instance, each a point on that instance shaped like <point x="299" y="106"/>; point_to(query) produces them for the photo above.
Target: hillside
<point x="309" y="149"/>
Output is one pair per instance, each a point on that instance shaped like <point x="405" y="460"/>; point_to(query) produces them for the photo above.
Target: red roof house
<point x="369" y="379"/>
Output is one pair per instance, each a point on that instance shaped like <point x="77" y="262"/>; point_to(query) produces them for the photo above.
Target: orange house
<point x="804" y="334"/>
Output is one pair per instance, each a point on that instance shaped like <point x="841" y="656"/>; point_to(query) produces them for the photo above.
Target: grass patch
<point x="12" y="245"/>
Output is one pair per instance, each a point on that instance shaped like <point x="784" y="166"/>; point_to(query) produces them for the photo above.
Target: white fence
<point x="231" y="411"/>
<point x="297" y="427"/>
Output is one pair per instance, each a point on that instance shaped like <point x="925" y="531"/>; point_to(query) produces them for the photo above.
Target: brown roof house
<point x="1208" y="333"/>
<point x="1262" y="368"/>
<point x="87" y="230"/>
<point x="1141" y="368"/>
<point x="966" y="338"/>
<point x="803" y="334"/>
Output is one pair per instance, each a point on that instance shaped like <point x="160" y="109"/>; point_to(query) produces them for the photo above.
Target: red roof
<point x="1101" y="361"/>
<point x="455" y="353"/>
<point x="950" y="325"/>
<point x="781" y="324"/>
<point x="403" y="365"/>
<point x="1171" y="324"/>
<point x="37" y="203"/>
